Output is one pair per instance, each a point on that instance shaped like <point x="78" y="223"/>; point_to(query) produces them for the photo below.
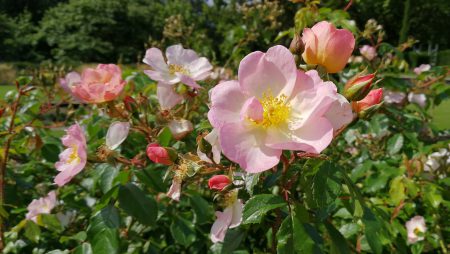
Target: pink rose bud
<point x="367" y="106"/>
<point x="327" y="46"/>
<point x="98" y="85"/>
<point x="159" y="154"/>
<point x="218" y="182"/>
<point x="358" y="87"/>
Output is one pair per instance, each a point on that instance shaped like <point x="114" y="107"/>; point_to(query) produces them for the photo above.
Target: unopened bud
<point x="370" y="104"/>
<point x="218" y="182"/>
<point x="159" y="154"/>
<point x="130" y="104"/>
<point x="297" y="47"/>
<point x="358" y="87"/>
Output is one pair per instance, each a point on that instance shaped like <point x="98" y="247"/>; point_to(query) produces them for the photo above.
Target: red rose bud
<point x="370" y="104"/>
<point x="130" y="103"/>
<point x="358" y="87"/>
<point x="218" y="182"/>
<point x="161" y="155"/>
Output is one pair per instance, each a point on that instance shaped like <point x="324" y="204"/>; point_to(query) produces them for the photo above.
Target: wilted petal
<point x="175" y="190"/>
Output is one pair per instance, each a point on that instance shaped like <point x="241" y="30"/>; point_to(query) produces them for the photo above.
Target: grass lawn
<point x="4" y="90"/>
<point x="441" y="115"/>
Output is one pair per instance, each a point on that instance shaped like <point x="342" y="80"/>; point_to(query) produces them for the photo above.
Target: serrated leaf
<point x="232" y="240"/>
<point x="103" y="234"/>
<point x="257" y="206"/>
<point x="137" y="204"/>
<point x="285" y="244"/>
<point x="250" y="181"/>
<point x="339" y="244"/>
<point x="164" y="137"/>
<point x="395" y="144"/>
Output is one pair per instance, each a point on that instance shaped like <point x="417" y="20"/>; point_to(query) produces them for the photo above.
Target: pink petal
<point x="223" y="109"/>
<point x="167" y="97"/>
<point x="155" y="59"/>
<point x="272" y="73"/>
<point x="175" y="190"/>
<point x="117" y="133"/>
<point x="237" y="213"/>
<point x="246" y="146"/>
<point x="338" y="50"/>
<point x="252" y="110"/>
<point x="200" y="69"/>
<point x="176" y="54"/>
<point x="340" y="113"/>
<point x="187" y="80"/>
<point x="220" y="226"/>
<point x="312" y="137"/>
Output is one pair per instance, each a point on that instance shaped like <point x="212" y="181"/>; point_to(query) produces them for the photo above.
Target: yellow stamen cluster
<point x="174" y="68"/>
<point x="74" y="155"/>
<point x="229" y="198"/>
<point x="276" y="110"/>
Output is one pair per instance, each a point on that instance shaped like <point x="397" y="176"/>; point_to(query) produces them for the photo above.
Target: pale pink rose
<point x="175" y="190"/>
<point x="117" y="133"/>
<point x="167" y="96"/>
<point x="419" y="99"/>
<point x="340" y="113"/>
<point x="213" y="139"/>
<point x="368" y="52"/>
<point x="231" y="217"/>
<point x="98" y="85"/>
<point x="414" y="226"/>
<point x="73" y="159"/>
<point x="392" y="97"/>
<point x="180" y="128"/>
<point x="183" y="65"/>
<point x="41" y="206"/>
<point x="327" y="46"/>
<point x="273" y="107"/>
<point x="422" y="68"/>
<point x="69" y="81"/>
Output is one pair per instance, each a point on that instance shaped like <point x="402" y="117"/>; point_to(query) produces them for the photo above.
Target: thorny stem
<point x="5" y="160"/>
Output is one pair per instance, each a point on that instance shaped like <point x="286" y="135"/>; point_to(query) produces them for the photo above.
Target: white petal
<point x="117" y="133"/>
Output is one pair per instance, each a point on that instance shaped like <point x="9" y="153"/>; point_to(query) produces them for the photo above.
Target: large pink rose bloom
<point x="274" y="107"/>
<point x="183" y="65"/>
<point x="327" y="46"/>
<point x="73" y="159"/>
<point x="98" y="85"/>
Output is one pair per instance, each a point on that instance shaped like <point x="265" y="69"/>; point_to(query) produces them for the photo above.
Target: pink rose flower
<point x="41" y="206"/>
<point x="231" y="217"/>
<point x="327" y="46"/>
<point x="183" y="65"/>
<point x="273" y="107"/>
<point x="167" y="96"/>
<point x="213" y="139"/>
<point x="69" y="81"/>
<point x="218" y="182"/>
<point x="158" y="154"/>
<point x="415" y="226"/>
<point x="73" y="159"/>
<point x="98" y="85"/>
<point x="419" y="99"/>
<point x="422" y="68"/>
<point x="368" y="52"/>
<point x="117" y="133"/>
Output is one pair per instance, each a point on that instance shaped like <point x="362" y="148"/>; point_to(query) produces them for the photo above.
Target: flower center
<point x="174" y="68"/>
<point x="276" y="111"/>
<point x="229" y="198"/>
<point x="74" y="155"/>
<point x="417" y="231"/>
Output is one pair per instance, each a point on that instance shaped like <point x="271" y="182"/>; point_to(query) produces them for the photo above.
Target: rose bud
<point x="370" y="104"/>
<point x="358" y="87"/>
<point x="218" y="182"/>
<point x="327" y="46"/>
<point x="297" y="47"/>
<point x="130" y="103"/>
<point x="161" y="155"/>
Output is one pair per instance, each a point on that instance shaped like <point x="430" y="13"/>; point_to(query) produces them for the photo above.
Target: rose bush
<point x="297" y="153"/>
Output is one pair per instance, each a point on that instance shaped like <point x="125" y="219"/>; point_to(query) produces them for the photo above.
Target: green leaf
<point x="397" y="190"/>
<point x="103" y="234"/>
<point x="372" y="230"/>
<point x="79" y="237"/>
<point x="50" y="152"/>
<point x="164" y="137"/>
<point x="84" y="248"/>
<point x="250" y="181"/>
<point x="232" y="240"/>
<point x="310" y="240"/>
<point x="183" y="231"/>
<point x="202" y="210"/>
<point x="395" y="144"/>
<point x="50" y="221"/>
<point x="285" y="244"/>
<point x="32" y="231"/>
<point x="259" y="205"/>
<point x="339" y="244"/>
<point x="134" y="202"/>
<point x="107" y="175"/>
<point x="349" y="229"/>
<point x="151" y="178"/>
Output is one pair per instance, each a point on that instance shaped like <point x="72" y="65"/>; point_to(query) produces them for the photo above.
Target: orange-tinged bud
<point x="358" y="87"/>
